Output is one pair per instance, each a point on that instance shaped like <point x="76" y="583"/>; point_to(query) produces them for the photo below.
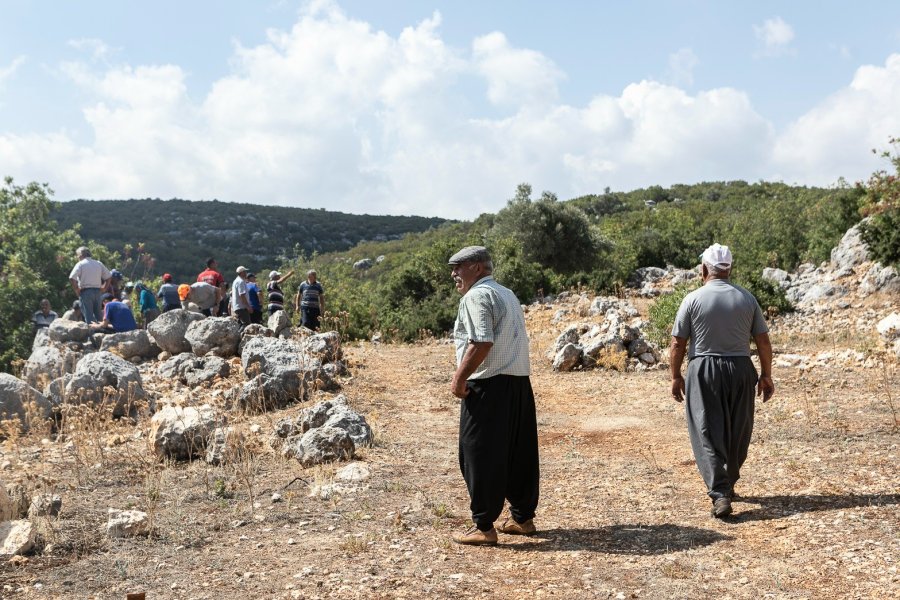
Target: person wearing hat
<point x="254" y="297"/>
<point x="113" y="285"/>
<point x="273" y="290"/>
<point x="168" y="292"/>
<point x="498" y="444"/>
<point x="310" y="301"/>
<point x="147" y="303"/>
<point x="240" y="299"/>
<point x="88" y="277"/>
<point x="719" y="319"/>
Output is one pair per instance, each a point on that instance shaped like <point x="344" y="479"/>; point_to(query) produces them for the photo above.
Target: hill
<point x="181" y="234"/>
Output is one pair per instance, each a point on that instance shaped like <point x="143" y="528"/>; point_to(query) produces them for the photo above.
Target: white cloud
<point x="333" y="113"/>
<point x="775" y="35"/>
<point x="834" y="138"/>
<point x="9" y="70"/>
<point x="681" y="67"/>
<point x="96" y="48"/>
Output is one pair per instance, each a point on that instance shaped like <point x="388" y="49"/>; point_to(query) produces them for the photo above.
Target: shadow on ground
<point x="624" y="539"/>
<point x="777" y="507"/>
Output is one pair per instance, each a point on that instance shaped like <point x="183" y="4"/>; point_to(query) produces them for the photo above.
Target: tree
<point x="881" y="203"/>
<point x="35" y="260"/>
<point x="551" y="233"/>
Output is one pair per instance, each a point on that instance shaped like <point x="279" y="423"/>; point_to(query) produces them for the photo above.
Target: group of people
<point x="104" y="298"/>
<point x="498" y="441"/>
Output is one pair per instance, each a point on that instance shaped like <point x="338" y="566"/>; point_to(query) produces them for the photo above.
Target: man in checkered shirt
<point x="498" y="447"/>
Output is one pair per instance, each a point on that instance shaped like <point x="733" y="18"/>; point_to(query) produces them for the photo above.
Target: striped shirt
<point x="489" y="312"/>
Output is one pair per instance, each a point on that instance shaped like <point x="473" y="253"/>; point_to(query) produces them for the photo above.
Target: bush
<point x="663" y="311"/>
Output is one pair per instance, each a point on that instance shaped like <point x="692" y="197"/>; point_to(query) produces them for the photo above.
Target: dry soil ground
<point x="623" y="512"/>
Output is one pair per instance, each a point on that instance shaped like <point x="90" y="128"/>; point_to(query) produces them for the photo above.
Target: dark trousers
<point x="719" y="409"/>
<point x="243" y="316"/>
<point x="498" y="448"/>
<point x="256" y="316"/>
<point x="309" y="317"/>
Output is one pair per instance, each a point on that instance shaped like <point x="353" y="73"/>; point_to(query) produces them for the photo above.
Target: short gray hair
<point x="716" y="269"/>
<point x="311" y="272"/>
<point x="488" y="266"/>
<point x="83" y="252"/>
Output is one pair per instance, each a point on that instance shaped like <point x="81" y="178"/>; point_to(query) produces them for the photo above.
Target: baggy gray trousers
<point x="720" y="394"/>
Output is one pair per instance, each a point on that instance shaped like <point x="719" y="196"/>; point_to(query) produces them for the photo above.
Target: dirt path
<point x="622" y="515"/>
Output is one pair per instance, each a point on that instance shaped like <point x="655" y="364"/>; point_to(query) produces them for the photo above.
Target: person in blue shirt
<point x="117" y="316"/>
<point x="168" y="292"/>
<point x="147" y="302"/>
<point x="255" y="301"/>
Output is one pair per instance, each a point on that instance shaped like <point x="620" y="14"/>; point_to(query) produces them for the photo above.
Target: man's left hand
<point x="459" y="389"/>
<point x="765" y="388"/>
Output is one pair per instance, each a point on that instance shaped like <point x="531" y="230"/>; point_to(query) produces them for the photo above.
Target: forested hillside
<point x="179" y="235"/>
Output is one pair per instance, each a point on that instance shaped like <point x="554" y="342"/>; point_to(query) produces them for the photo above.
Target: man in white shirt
<point x="87" y="279"/>
<point x="498" y="443"/>
<point x="240" y="300"/>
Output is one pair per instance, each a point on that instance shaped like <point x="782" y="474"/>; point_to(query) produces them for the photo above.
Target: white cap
<point x="717" y="255"/>
<point x="240" y="270"/>
<point x="274" y="274"/>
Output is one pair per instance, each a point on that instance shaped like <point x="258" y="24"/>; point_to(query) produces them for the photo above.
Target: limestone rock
<point x="127" y="523"/>
<point x="354" y="472"/>
<point x="20" y="400"/>
<point x="173" y="367"/>
<point x="41" y="338"/>
<point x="49" y="362"/>
<point x="182" y="433"/>
<point x="202" y="370"/>
<point x="169" y="329"/>
<point x="221" y="444"/>
<point x="776" y="276"/>
<point x="251" y="331"/>
<point x="104" y="377"/>
<point x="364" y="264"/>
<point x="44" y="505"/>
<point x="130" y="344"/>
<point x="320" y="445"/>
<point x="69" y="331"/>
<point x="567" y="358"/>
<point x="638" y="347"/>
<point x="7" y="509"/>
<point x="216" y="335"/>
<point x="851" y="251"/>
<point x="889" y="327"/>
<point x="324" y="346"/>
<point x="17" y="538"/>
<point x="279" y="321"/>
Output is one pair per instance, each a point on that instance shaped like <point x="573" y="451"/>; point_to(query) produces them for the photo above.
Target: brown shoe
<point x="511" y="527"/>
<point x="721" y="507"/>
<point x="475" y="537"/>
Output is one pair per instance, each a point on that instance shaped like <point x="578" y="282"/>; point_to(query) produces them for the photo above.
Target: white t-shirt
<point x="239" y="298"/>
<point x="89" y="273"/>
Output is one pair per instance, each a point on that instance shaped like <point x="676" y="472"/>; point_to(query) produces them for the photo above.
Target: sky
<point x="440" y="108"/>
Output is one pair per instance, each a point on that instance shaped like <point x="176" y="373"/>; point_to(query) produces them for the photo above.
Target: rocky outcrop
<point x="69" y="331"/>
<point x="45" y="505"/>
<point x="103" y="377"/>
<point x="616" y="343"/>
<point x="50" y="362"/>
<point x="251" y="331"/>
<point x="169" y="329"/>
<point x="18" y="400"/>
<point x="17" y="537"/>
<point x="130" y="344"/>
<point x="182" y="433"/>
<point x="217" y="335"/>
<point x="320" y="445"/>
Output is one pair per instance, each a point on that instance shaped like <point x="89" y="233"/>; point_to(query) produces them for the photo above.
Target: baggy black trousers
<point x="498" y="448"/>
<point x="719" y="409"/>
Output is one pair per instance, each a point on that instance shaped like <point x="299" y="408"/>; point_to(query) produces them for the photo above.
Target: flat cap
<point x="470" y="254"/>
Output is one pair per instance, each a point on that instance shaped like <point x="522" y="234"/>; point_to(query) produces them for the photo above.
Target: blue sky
<point x="439" y="108"/>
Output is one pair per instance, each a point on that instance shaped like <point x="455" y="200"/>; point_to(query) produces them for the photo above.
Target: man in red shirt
<point x="211" y="275"/>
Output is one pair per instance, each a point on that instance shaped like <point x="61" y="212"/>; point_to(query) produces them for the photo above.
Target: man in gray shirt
<point x="719" y="319"/>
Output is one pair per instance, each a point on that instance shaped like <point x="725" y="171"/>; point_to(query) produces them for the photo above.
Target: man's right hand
<point x="765" y="388"/>
<point x="678" y="389"/>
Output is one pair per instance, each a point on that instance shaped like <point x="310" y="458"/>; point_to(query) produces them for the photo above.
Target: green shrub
<point x="769" y="295"/>
<point x="663" y="311"/>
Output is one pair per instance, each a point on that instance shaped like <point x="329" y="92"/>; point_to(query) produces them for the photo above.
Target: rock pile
<point x="616" y="342"/>
<point x="326" y="432"/>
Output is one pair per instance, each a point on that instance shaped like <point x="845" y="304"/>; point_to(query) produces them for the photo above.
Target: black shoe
<point x="721" y="507"/>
